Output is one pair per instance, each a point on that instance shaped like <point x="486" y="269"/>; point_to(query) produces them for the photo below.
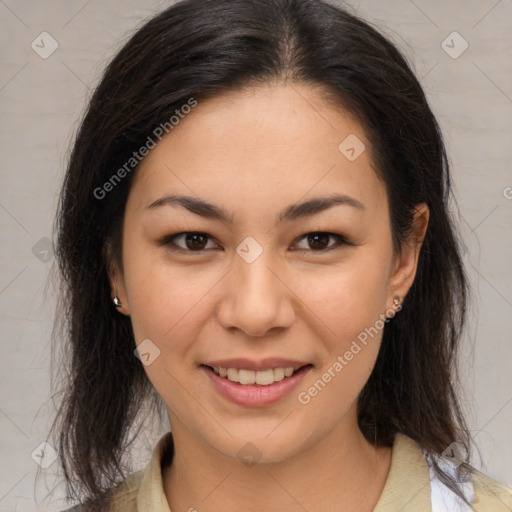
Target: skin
<point x="253" y="153"/>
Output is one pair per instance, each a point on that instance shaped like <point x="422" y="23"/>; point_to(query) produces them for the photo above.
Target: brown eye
<point x="195" y="241"/>
<point x="188" y="241"/>
<point x="318" y="241"/>
<point x="321" y="241"/>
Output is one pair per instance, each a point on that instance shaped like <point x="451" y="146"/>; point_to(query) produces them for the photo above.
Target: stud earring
<point x="117" y="302"/>
<point x="397" y="306"/>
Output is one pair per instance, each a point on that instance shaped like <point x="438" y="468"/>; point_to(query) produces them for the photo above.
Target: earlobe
<point x="119" y="299"/>
<point x="115" y="276"/>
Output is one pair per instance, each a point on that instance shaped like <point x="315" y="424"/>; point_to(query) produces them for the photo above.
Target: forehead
<point x="262" y="146"/>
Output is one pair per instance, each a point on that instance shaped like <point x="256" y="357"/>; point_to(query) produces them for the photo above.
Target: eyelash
<point x="169" y="242"/>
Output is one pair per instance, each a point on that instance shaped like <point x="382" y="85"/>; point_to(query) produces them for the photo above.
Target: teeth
<point x="232" y="374"/>
<point x="288" y="372"/>
<point x="245" y="376"/>
<point x="279" y="374"/>
<point x="265" y="377"/>
<point x="260" y="377"/>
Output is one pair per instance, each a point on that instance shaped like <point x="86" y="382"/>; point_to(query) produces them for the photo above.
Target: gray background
<point x="41" y="101"/>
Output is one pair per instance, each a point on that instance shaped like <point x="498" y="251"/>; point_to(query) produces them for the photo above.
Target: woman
<point x="253" y="231"/>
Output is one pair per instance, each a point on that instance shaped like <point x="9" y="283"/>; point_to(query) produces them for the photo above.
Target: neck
<point x="341" y="472"/>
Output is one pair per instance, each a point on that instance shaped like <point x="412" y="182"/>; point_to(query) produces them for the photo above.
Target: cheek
<point x="168" y="306"/>
<point x="347" y="298"/>
<point x="165" y="301"/>
<point x="350" y="300"/>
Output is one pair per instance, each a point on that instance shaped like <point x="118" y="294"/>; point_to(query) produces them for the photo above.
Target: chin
<point x="260" y="447"/>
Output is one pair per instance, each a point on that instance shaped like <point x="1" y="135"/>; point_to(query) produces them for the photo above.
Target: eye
<point x="319" y="241"/>
<point x="192" y="241"/>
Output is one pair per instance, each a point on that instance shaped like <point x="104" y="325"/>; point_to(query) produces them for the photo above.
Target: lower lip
<point x="253" y="395"/>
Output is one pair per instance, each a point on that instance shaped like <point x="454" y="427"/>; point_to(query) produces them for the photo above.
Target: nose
<point x="256" y="298"/>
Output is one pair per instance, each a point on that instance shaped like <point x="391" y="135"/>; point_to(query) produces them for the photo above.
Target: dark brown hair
<point x="199" y="49"/>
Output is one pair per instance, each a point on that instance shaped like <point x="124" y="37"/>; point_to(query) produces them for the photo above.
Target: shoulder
<point x="491" y="495"/>
<point x="483" y="492"/>
<point x="139" y="489"/>
<point x="123" y="496"/>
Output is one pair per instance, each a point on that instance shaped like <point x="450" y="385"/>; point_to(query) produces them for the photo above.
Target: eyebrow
<point x="291" y="212"/>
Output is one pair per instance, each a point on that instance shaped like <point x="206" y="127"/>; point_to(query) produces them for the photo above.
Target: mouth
<point x="262" y="385"/>
<point x="259" y="377"/>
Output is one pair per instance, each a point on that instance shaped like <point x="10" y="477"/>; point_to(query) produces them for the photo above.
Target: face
<point x="252" y="242"/>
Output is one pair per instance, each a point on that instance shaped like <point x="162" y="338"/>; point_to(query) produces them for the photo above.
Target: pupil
<point x="195" y="241"/>
<point x="320" y="240"/>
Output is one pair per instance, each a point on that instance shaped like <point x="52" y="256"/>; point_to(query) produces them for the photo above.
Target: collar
<point x="407" y="486"/>
<point x="151" y="494"/>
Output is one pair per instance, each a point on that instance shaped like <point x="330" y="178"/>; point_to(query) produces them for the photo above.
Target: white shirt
<point x="444" y="499"/>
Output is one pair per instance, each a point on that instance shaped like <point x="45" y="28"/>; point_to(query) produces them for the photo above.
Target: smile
<point x="260" y="387"/>
<point x="260" y="377"/>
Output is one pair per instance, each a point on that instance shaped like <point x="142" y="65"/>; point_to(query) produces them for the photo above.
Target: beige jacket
<point x="407" y="488"/>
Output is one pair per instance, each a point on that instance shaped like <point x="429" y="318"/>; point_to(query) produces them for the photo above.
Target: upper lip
<point x="263" y="364"/>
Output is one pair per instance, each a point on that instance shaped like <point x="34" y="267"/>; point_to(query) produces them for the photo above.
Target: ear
<point x="116" y="279"/>
<point x="406" y="262"/>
